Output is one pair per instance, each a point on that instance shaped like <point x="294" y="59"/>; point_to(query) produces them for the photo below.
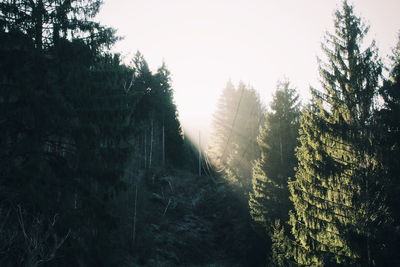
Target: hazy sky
<point x="207" y="42"/>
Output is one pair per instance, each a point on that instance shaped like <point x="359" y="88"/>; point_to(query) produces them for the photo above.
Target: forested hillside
<point x="324" y="175"/>
<point x="96" y="170"/>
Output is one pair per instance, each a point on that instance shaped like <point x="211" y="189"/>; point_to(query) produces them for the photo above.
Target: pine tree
<point x="220" y="146"/>
<point x="157" y="114"/>
<point x="48" y="21"/>
<point x="172" y="132"/>
<point x="269" y="199"/>
<point x="390" y="92"/>
<point x="281" y="247"/>
<point x="388" y="145"/>
<point x="334" y="192"/>
<point x="66" y="118"/>
<point x="233" y="146"/>
<point x="243" y="138"/>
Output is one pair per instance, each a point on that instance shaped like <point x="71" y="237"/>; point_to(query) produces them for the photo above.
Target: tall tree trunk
<point x="145" y="148"/>
<point x="134" y="215"/>
<point x="37" y="13"/>
<point x="151" y="142"/>
<point x="163" y="145"/>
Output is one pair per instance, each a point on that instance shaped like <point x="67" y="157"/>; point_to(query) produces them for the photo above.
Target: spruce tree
<point x="388" y="137"/>
<point x="48" y="21"/>
<point x="169" y="121"/>
<point x="66" y="117"/>
<point x="220" y="146"/>
<point x="157" y="115"/>
<point x="334" y="191"/>
<point x="243" y="138"/>
<point x="269" y="199"/>
<point x="281" y="247"/>
<point x="389" y="118"/>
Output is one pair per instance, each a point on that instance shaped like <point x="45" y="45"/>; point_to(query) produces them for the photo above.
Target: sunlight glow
<point x="206" y="43"/>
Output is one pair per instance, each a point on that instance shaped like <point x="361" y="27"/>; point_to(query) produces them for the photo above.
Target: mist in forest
<point x="187" y="133"/>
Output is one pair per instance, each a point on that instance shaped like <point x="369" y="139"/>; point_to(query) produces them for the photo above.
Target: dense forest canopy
<point x="96" y="170"/>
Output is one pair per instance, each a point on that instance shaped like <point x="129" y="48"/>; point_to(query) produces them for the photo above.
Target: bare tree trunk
<point x="38" y="18"/>
<point x="368" y="228"/>
<point x="151" y="142"/>
<point x="145" y="149"/>
<point x="280" y="141"/>
<point x="163" y="145"/>
<point x="134" y="215"/>
<point x="75" y="200"/>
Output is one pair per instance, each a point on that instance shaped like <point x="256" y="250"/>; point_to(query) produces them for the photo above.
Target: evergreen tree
<point x="172" y="132"/>
<point x="157" y="114"/>
<point x="220" y="146"/>
<point x="100" y="129"/>
<point x="243" y="138"/>
<point x="233" y="145"/>
<point x="336" y="204"/>
<point x="388" y="136"/>
<point x="66" y="118"/>
<point x="281" y="247"/>
<point x="390" y="92"/>
<point x="269" y="199"/>
<point x="47" y="21"/>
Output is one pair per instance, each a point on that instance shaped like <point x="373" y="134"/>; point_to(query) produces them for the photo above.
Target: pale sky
<point x="207" y="42"/>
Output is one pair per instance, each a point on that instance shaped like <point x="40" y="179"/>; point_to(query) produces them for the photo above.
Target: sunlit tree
<point x="220" y="146"/>
<point x="269" y="199"/>
<point x="336" y="205"/>
<point x="246" y="124"/>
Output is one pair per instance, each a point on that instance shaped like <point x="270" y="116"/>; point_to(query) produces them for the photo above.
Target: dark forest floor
<point x="188" y="220"/>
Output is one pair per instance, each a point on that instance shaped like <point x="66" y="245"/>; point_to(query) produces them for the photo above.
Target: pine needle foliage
<point x="336" y="191"/>
<point x="269" y="199"/>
